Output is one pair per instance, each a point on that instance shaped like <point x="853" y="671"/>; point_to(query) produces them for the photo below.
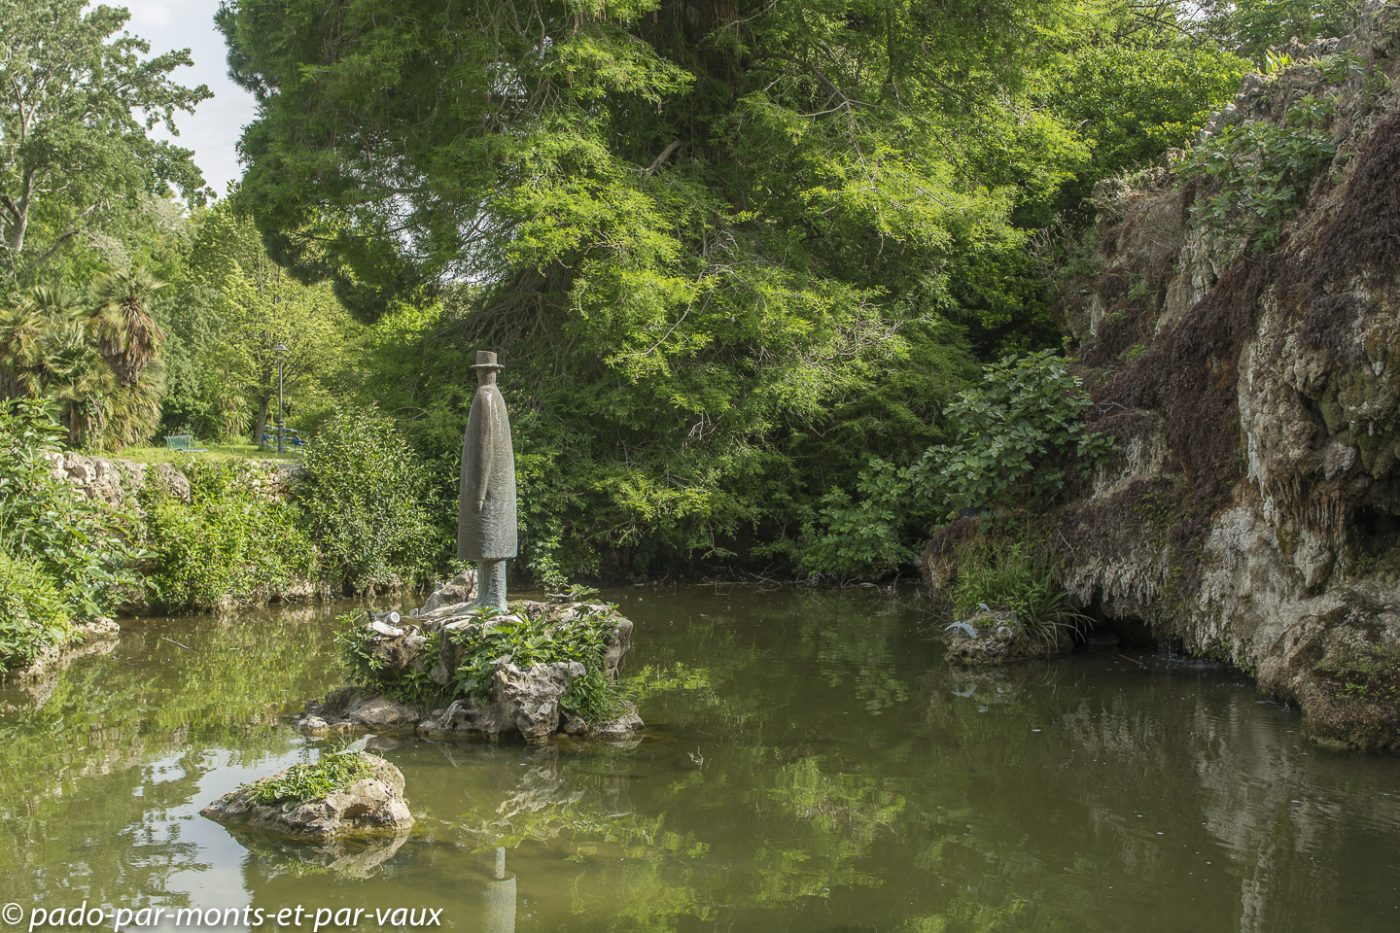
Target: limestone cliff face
<point x="1253" y="508"/>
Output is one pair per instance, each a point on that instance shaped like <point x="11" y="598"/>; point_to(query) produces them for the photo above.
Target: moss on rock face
<point x="1358" y="697"/>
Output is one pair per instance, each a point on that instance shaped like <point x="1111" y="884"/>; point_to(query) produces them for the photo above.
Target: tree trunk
<point x="260" y="423"/>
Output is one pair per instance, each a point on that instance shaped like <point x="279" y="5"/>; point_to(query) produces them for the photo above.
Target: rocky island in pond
<point x="456" y="669"/>
<point x="344" y="794"/>
<point x="467" y="662"/>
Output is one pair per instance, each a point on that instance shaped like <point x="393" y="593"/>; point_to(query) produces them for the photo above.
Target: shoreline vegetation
<point x="830" y="294"/>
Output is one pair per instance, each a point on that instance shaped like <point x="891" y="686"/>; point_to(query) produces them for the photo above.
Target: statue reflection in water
<point x="500" y="898"/>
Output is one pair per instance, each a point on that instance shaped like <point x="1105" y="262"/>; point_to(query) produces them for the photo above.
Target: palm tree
<point x="81" y="362"/>
<point x="127" y="335"/>
<point x="38" y="337"/>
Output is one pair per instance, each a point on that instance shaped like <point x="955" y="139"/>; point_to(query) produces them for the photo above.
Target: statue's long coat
<point x="486" y="517"/>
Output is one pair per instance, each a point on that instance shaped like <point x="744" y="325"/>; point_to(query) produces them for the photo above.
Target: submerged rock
<point x="355" y="708"/>
<point x="626" y="724"/>
<point x="352" y="857"/>
<point x="370" y="804"/>
<point x="998" y="637"/>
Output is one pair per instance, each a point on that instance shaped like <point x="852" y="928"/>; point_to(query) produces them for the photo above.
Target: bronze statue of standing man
<point x="486" y="531"/>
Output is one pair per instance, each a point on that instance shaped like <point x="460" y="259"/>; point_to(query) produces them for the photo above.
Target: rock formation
<point x="1252" y="511"/>
<point x="413" y="672"/>
<point x="371" y="805"/>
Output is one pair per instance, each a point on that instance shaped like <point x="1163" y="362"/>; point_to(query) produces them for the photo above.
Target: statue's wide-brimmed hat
<point x="485" y="359"/>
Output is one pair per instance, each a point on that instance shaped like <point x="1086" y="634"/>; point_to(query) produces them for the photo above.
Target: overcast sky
<point x="212" y="131"/>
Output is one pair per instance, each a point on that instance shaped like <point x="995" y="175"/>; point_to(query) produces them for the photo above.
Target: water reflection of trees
<point x="810" y="765"/>
<point x="99" y="763"/>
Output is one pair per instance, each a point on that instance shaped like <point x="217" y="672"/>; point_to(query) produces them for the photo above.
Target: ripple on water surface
<point x="810" y="764"/>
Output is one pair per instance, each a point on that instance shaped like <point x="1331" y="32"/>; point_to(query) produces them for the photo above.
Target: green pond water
<point x="810" y="764"/>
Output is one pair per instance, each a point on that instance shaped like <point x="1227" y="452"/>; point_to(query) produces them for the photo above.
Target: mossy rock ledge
<point x="453" y="671"/>
<point x="362" y="796"/>
<point x="998" y="637"/>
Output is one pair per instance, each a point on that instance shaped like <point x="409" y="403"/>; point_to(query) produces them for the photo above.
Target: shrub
<point x="1011" y="576"/>
<point x="33" y="615"/>
<point x="1261" y="172"/>
<point x="1016" y="436"/>
<point x="234" y="542"/>
<point x="46" y="523"/>
<point x="366" y="503"/>
<point x="863" y="536"/>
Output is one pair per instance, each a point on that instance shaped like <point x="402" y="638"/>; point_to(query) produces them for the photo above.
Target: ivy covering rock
<point x="454" y="669"/>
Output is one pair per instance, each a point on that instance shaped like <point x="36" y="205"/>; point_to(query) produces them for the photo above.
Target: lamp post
<point x="281" y="351"/>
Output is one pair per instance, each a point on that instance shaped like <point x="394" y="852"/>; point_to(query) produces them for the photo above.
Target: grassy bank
<point x="357" y="518"/>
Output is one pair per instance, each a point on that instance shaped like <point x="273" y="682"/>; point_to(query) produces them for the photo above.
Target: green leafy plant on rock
<point x="33" y="617"/>
<point x="1259" y="172"/>
<point x="523" y="640"/>
<point x="67" y="559"/>
<point x="312" y="780"/>
<point x="1365" y="672"/>
<point x="528" y="641"/>
<point x="1012" y="576"/>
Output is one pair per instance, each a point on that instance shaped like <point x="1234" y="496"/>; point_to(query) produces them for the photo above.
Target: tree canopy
<point x="724" y="245"/>
<point x="78" y="99"/>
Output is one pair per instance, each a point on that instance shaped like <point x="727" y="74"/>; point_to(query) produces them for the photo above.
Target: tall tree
<point x="78" y="99"/>
<point x="231" y="307"/>
<point x="729" y="248"/>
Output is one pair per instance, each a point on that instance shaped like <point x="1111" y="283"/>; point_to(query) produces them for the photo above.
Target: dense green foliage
<point x="77" y="101"/>
<point x="241" y="538"/>
<point x="741" y="260"/>
<point x="228" y="309"/>
<point x="236" y="542"/>
<point x="728" y="251"/>
<point x="355" y="518"/>
<point x="66" y="559"/>
<point x="33" y="615"/>
<point x="365" y="500"/>
<point x="868" y="534"/>
<point x="98" y="364"/>
<point x="1017" y="436"/>
<point x="1260" y="172"/>
<point x="1253" y="27"/>
<point x="331" y="772"/>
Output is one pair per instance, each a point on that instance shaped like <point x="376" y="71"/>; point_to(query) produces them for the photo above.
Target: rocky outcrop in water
<point x="999" y="637"/>
<point x="372" y="804"/>
<point x="1252" y="512"/>
<point x="452" y="670"/>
